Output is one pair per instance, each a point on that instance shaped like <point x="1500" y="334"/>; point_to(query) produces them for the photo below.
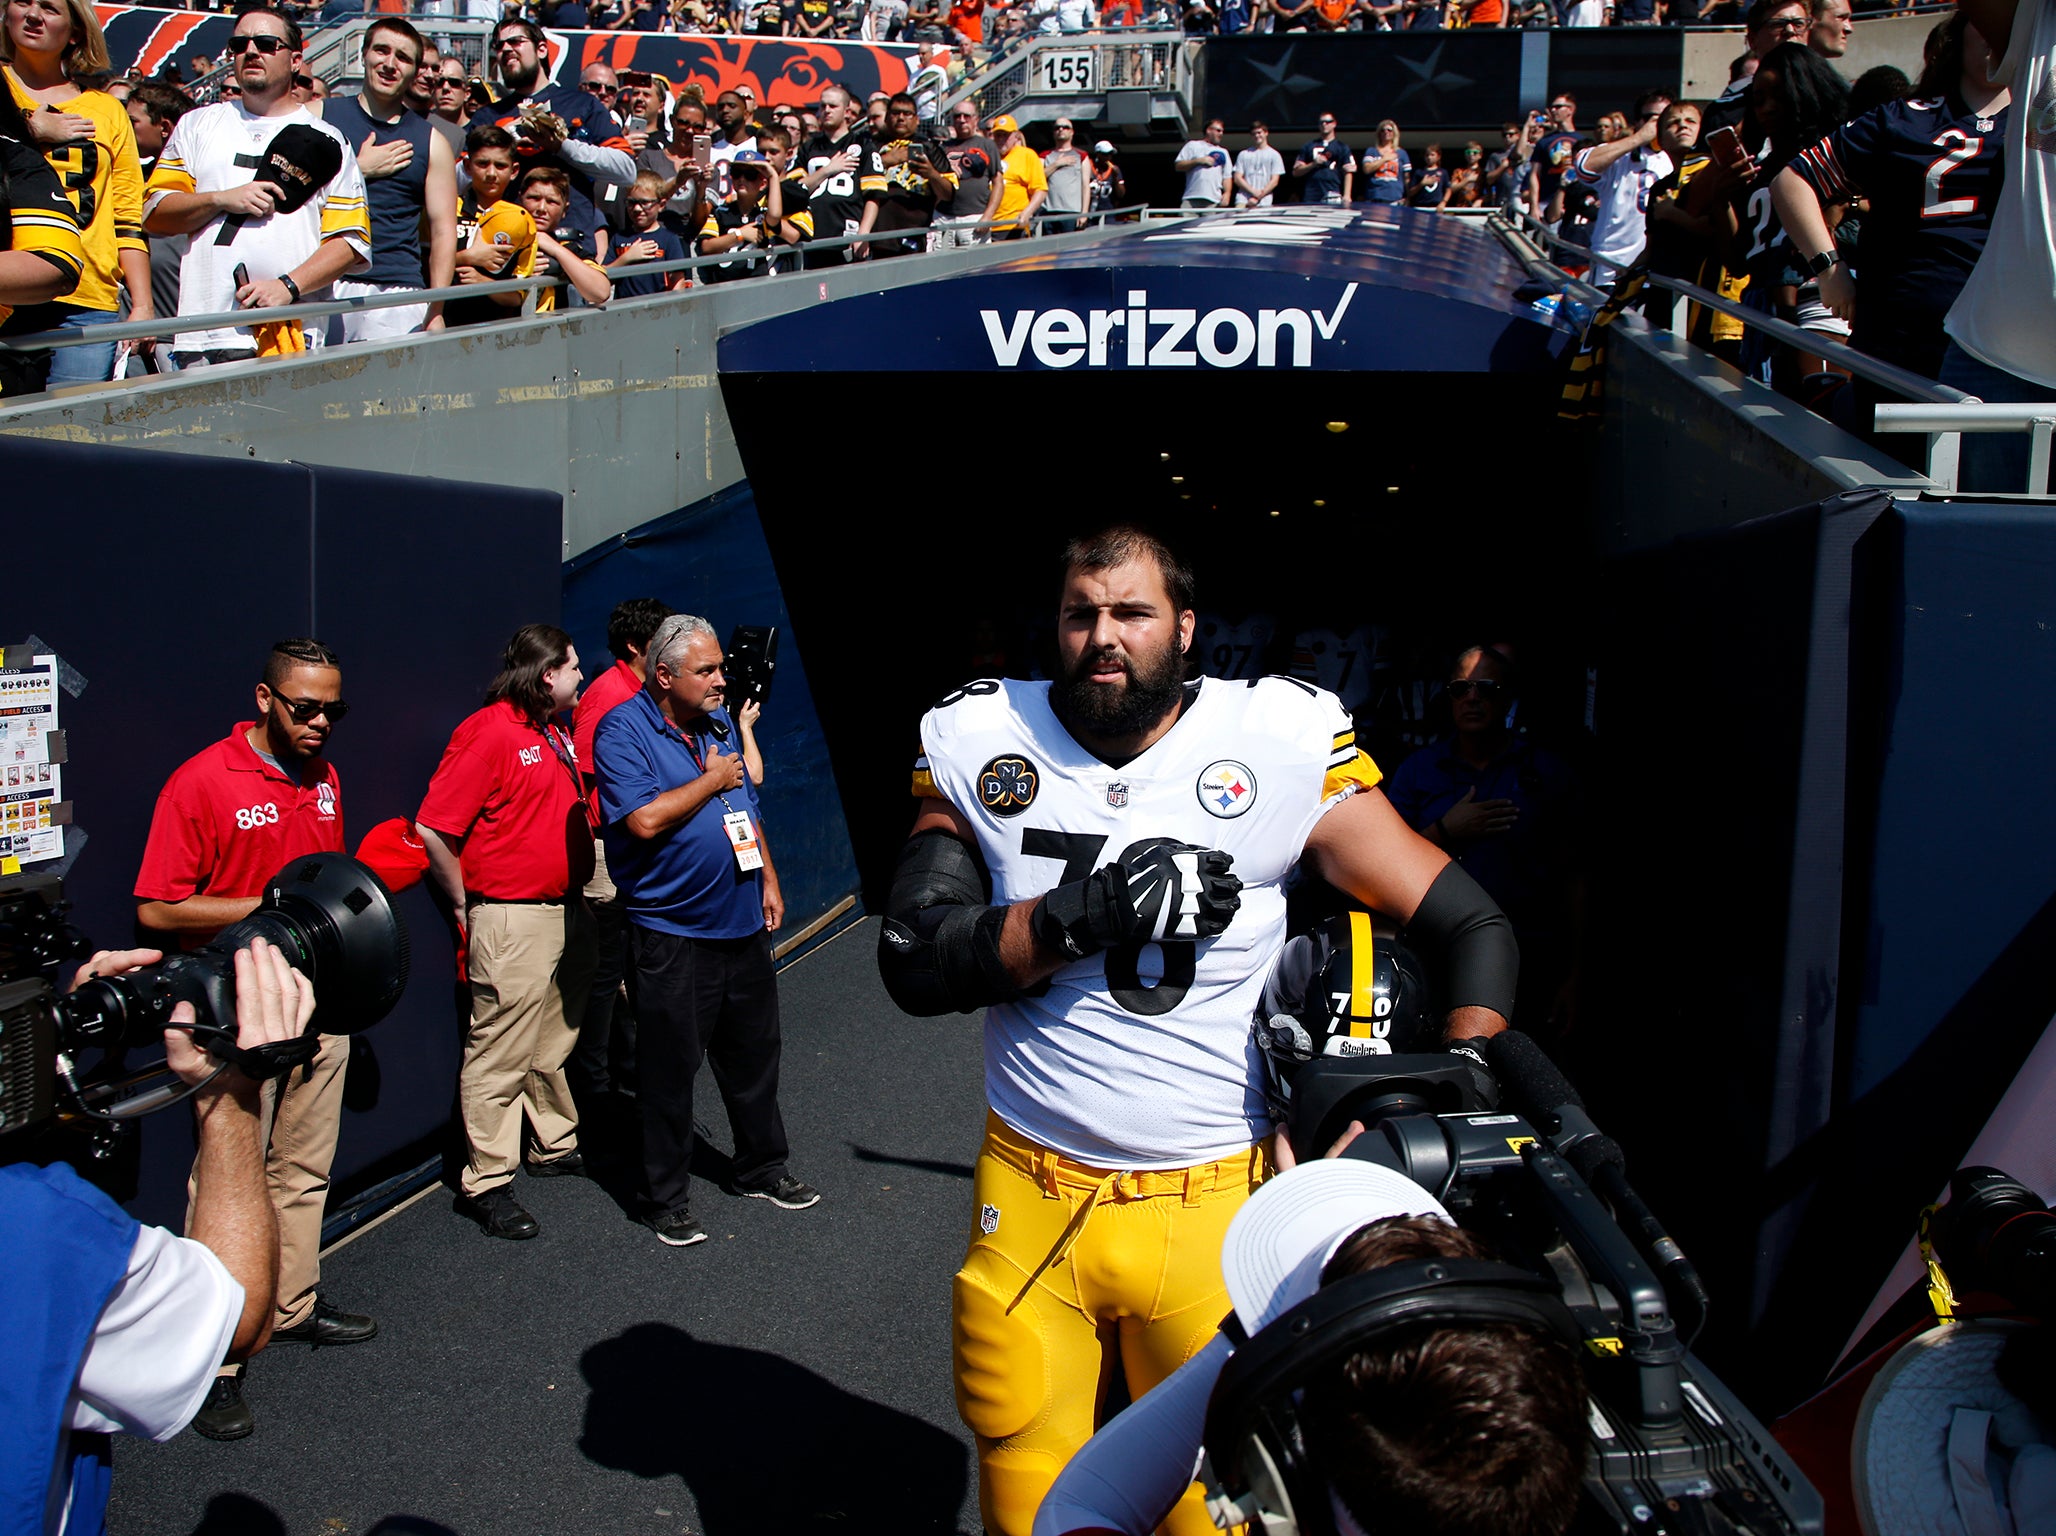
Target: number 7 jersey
<point x="1140" y="1057"/>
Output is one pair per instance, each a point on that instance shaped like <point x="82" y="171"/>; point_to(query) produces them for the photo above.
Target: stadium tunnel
<point x="1339" y="417"/>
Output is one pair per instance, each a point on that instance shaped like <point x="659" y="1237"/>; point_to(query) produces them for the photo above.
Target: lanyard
<point x="699" y="762"/>
<point x="568" y="756"/>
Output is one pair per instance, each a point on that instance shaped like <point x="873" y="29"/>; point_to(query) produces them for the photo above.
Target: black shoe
<point x="327" y="1325"/>
<point x="787" y="1194"/>
<point x="676" y="1228"/>
<point x="224" y="1416"/>
<point x="570" y="1166"/>
<point x="499" y="1214"/>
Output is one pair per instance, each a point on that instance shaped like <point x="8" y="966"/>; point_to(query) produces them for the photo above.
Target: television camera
<point x="333" y="918"/>
<point x="1513" y="1156"/>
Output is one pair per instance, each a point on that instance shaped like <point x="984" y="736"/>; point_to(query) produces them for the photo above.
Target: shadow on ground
<point x="766" y="1447"/>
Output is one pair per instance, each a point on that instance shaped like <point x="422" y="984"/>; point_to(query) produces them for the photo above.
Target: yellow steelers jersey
<point x="1141" y="1057"/>
<point x="104" y="180"/>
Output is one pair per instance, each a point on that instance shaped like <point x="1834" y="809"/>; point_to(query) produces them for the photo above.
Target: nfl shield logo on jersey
<point x="988" y="1220"/>
<point x="1117" y="795"/>
<point x="1227" y="788"/>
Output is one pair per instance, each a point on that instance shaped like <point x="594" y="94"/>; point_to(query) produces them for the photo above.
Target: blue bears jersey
<point x="1931" y="169"/>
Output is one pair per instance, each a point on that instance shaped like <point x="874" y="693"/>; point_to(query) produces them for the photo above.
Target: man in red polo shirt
<point x="509" y="838"/>
<point x="226" y="822"/>
<point x="604" y="1060"/>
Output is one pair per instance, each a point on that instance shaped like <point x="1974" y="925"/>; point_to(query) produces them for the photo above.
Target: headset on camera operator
<point x="112" y="1326"/>
<point x="1379" y="1373"/>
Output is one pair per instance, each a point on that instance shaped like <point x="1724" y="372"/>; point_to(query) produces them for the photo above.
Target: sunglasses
<point x="266" y="45"/>
<point x="1483" y="687"/>
<point x="304" y="710"/>
<point x="596" y="89"/>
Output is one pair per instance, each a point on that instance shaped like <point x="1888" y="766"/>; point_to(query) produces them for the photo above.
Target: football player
<point x="1100" y="863"/>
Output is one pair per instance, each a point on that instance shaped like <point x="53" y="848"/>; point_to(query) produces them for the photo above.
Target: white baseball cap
<point x="1281" y="1240"/>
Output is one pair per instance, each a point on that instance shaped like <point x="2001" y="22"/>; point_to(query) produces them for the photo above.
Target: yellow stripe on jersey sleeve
<point x="1356" y="772"/>
<point x="52" y="235"/>
<point x="924" y="781"/>
<point x="802" y="221"/>
<point x="168" y="175"/>
<point x="342" y="217"/>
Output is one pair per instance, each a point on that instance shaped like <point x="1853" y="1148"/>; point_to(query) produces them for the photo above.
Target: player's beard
<point x="1150" y="693"/>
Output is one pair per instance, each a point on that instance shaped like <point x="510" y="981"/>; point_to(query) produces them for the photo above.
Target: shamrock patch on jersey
<point x="1006" y="785"/>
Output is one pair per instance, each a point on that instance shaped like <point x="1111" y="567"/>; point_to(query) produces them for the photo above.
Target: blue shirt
<point x="684" y="881"/>
<point x="1526" y="868"/>
<point x="671" y="248"/>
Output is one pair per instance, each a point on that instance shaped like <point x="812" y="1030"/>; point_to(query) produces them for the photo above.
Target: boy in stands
<point x="495" y="235"/>
<point x="648" y="240"/>
<point x="562" y="249"/>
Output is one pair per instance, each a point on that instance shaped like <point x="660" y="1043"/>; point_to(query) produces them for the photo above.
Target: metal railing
<point x="320" y="309"/>
<point x="1933" y="409"/>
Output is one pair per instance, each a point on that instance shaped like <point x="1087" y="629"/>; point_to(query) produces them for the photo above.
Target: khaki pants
<point x="302" y="1113"/>
<point x="530" y="968"/>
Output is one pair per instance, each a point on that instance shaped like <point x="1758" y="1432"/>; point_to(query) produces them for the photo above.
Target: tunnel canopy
<point x="1373" y="290"/>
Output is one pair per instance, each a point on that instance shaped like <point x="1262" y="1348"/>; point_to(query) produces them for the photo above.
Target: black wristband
<point x="291" y="287"/>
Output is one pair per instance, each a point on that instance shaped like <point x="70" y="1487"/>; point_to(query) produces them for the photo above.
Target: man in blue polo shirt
<point x="685" y="846"/>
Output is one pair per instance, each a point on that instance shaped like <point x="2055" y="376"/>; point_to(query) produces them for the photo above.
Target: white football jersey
<point x="1233" y="651"/>
<point x="222" y="146"/>
<point x="1141" y="1057"/>
<point x="1342" y="664"/>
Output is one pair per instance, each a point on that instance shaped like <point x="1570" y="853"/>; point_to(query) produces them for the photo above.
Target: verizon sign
<point x="1144" y="337"/>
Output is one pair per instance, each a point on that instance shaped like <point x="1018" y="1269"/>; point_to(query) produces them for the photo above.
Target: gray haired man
<point x="685" y="845"/>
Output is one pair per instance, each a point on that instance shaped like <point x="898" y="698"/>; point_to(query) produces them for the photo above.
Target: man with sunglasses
<point x="1766" y="25"/>
<point x="591" y="150"/>
<point x="450" y="103"/>
<point x="1502" y="808"/>
<point x="256" y="242"/>
<point x="226" y="821"/>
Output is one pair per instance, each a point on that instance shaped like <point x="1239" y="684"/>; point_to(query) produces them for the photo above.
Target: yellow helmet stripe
<point x="1363" y="972"/>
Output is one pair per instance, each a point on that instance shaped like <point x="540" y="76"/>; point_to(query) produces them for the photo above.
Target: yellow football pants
<point x="1072" y="1269"/>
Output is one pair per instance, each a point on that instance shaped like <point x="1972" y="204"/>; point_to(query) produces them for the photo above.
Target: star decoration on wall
<point x="1429" y="80"/>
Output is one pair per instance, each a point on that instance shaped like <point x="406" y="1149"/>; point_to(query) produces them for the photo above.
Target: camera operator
<point x="114" y="1326"/>
<point x="226" y="821"/>
<point x="1474" y="1430"/>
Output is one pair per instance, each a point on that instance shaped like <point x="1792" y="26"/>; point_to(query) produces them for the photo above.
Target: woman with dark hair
<point x="510" y="845"/>
<point x="42" y="254"/>
<point x="1794" y="99"/>
<point x="1929" y="164"/>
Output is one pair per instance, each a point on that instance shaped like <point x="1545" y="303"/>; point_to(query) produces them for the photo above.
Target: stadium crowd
<point x="1795" y="192"/>
<point x="978" y="24"/>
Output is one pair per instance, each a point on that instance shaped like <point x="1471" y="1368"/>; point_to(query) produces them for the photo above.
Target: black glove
<point x="1471" y="1048"/>
<point x="1158" y="890"/>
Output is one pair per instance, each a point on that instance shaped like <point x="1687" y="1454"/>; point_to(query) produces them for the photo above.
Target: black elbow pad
<point x="1463" y="927"/>
<point x="938" y="946"/>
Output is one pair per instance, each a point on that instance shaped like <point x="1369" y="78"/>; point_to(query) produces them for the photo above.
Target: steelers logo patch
<point x="1007" y="785"/>
<point x="1227" y="789"/>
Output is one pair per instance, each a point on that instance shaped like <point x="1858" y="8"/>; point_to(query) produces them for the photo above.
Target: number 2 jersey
<point x="1931" y="169"/>
<point x="1140" y="1057"/>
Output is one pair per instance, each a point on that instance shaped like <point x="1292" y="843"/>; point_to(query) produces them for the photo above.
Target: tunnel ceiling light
<point x="1165" y="457"/>
<point x="1338" y="426"/>
<point x="1185" y="495"/>
<point x="1391" y="490"/>
<point x="1177" y="479"/>
<point x="1274" y="511"/>
<point x="1318" y="502"/>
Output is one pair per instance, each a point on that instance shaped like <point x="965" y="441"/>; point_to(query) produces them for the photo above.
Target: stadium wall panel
<point x="194" y="567"/>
